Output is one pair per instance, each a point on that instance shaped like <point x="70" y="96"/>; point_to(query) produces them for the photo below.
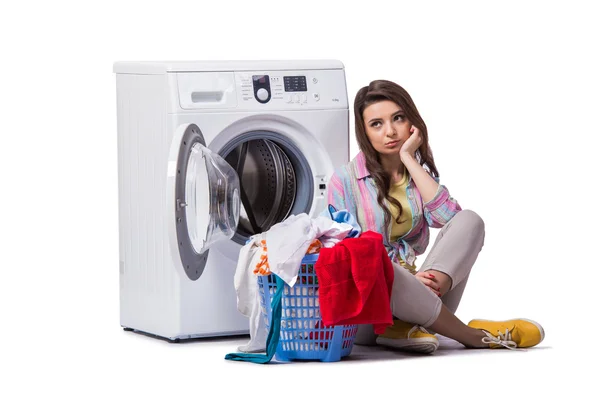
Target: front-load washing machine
<point x="211" y="153"/>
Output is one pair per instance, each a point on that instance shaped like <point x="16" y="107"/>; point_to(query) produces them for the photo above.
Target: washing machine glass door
<point x="203" y="193"/>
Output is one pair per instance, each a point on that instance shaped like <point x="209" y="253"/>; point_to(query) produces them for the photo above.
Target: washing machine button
<point x="262" y="94"/>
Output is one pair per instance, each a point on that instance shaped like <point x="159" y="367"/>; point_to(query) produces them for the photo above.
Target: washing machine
<point x="209" y="154"/>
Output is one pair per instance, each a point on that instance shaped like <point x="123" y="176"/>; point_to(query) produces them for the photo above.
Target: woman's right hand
<point x="412" y="144"/>
<point x="428" y="280"/>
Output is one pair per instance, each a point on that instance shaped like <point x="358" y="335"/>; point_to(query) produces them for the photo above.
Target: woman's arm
<point x="427" y="186"/>
<point x="438" y="206"/>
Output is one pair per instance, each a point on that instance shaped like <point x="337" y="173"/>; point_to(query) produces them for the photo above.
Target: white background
<point x="509" y="92"/>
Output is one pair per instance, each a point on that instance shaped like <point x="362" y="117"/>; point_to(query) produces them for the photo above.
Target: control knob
<point x="262" y="94"/>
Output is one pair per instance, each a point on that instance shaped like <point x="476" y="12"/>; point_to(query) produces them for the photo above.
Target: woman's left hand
<point x="428" y="280"/>
<point x="410" y="147"/>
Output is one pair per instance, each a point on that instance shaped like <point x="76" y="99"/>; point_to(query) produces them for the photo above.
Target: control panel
<point x="292" y="89"/>
<point x="261" y="90"/>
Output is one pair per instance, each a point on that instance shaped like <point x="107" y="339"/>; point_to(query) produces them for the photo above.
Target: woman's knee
<point x="473" y="222"/>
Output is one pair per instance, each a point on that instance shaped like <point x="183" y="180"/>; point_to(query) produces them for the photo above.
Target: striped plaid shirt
<point x="352" y="188"/>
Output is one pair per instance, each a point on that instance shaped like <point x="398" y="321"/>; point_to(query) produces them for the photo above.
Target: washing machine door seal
<point x="203" y="203"/>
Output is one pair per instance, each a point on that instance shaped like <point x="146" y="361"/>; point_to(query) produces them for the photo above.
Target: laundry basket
<point x="303" y="335"/>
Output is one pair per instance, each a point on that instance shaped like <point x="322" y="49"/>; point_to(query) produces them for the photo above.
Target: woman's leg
<point x="448" y="325"/>
<point x="413" y="302"/>
<point x="453" y="255"/>
<point x="450" y="260"/>
<point x="365" y="335"/>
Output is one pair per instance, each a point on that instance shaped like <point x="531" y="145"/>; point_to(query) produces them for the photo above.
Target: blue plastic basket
<point x="303" y="335"/>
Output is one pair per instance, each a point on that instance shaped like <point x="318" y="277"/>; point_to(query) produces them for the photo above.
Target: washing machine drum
<point x="267" y="184"/>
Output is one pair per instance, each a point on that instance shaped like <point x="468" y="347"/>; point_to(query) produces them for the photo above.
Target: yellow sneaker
<point x="408" y="337"/>
<point x="514" y="333"/>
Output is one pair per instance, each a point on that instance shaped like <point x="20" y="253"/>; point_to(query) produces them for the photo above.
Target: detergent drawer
<point x="206" y="90"/>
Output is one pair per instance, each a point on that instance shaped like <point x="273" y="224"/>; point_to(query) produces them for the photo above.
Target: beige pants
<point x="454" y="252"/>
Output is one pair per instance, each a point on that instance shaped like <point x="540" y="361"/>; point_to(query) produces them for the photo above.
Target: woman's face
<point x="386" y="126"/>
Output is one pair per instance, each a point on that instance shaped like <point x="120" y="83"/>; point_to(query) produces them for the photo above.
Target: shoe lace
<point x="503" y="339"/>
<point x="417" y="328"/>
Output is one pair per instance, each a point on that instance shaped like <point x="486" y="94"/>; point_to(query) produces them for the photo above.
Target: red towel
<point x="355" y="282"/>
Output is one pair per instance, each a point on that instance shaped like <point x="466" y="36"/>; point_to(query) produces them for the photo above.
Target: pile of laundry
<point x="353" y="271"/>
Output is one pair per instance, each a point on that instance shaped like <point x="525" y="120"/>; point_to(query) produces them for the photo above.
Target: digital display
<point x="260" y="79"/>
<point x="294" y="83"/>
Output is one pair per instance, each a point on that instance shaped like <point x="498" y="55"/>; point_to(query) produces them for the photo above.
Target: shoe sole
<point x="542" y="333"/>
<point x="420" y="345"/>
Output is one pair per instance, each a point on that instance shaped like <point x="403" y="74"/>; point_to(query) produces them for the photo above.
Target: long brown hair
<point x="385" y="90"/>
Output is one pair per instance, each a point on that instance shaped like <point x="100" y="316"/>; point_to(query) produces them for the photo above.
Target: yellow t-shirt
<point x="398" y="191"/>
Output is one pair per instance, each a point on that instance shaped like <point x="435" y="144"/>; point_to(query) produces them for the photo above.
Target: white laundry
<point x="246" y="287"/>
<point x="287" y="243"/>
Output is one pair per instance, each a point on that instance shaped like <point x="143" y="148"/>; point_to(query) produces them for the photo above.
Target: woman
<point x="392" y="187"/>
